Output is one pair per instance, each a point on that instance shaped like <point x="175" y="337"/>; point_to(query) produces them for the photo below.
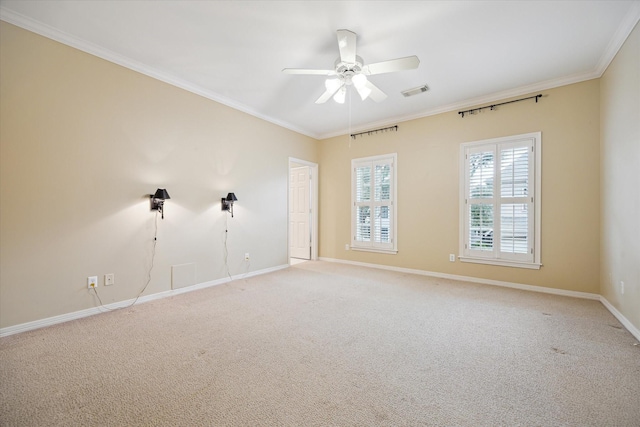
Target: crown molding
<point x="67" y="39"/>
<point x="473" y="102"/>
<point x="628" y="24"/>
<point x="624" y="30"/>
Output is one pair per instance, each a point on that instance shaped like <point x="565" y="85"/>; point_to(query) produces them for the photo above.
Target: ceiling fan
<point x="349" y="69"/>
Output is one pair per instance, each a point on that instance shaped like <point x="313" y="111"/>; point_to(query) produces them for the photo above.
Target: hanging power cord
<point x="153" y="257"/>
<point x="226" y="251"/>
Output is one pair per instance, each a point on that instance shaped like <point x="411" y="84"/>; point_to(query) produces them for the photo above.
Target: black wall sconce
<point x="157" y="200"/>
<point x="227" y="203"/>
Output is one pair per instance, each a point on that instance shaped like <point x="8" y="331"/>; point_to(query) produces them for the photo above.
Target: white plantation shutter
<point x="481" y="200"/>
<point x="373" y="217"/>
<point x="516" y="199"/>
<point x="499" y="215"/>
<point x="363" y="202"/>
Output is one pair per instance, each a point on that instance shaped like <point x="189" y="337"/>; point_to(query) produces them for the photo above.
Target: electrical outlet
<point x="246" y="256"/>
<point x="452" y="257"/>
<point x="621" y="287"/>
<point x="346" y="247"/>
<point x="109" y="279"/>
<point x="92" y="282"/>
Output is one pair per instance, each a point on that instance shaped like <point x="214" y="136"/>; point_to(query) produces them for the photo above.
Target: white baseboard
<point x="563" y="292"/>
<point x="630" y="327"/>
<point x="16" y="329"/>
<point x="584" y="295"/>
<point x="37" y="324"/>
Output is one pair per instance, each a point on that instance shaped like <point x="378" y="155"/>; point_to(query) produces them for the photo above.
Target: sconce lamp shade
<point x="227" y="203"/>
<point x="157" y="200"/>
<point x="161" y="194"/>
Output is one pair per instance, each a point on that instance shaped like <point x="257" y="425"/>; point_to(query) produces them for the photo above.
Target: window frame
<point x="371" y="246"/>
<point x="531" y="259"/>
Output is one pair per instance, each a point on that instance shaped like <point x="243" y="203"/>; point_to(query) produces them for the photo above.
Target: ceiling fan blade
<point x="376" y="94"/>
<point x="328" y="94"/>
<point x="347" y="46"/>
<point x="309" y="71"/>
<point x="400" y="64"/>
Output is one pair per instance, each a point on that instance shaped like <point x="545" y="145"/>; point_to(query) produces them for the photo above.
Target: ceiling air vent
<point x="415" y="90"/>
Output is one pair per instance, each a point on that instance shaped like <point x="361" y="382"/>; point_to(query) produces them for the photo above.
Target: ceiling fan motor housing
<point x="346" y="71"/>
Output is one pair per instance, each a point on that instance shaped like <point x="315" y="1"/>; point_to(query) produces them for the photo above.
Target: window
<point x="373" y="217"/>
<point x="500" y="201"/>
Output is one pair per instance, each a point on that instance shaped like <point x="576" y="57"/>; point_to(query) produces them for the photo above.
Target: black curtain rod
<point x="474" y="110"/>
<point x="369" y="132"/>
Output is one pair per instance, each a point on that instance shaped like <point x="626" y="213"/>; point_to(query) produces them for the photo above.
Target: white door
<point x="299" y="230"/>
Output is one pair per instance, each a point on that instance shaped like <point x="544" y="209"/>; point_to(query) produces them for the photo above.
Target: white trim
<point x="473" y="102"/>
<point x="386" y="248"/>
<point x="37" y="324"/>
<point x="535" y="231"/>
<point x="634" y="331"/>
<point x="537" y="259"/>
<point x="621" y="35"/>
<point x="95" y="50"/>
<point x="554" y="291"/>
<point x="624" y="30"/>
<point x="501" y="262"/>
<point x="378" y="250"/>
<point x="612" y="49"/>
<point x="561" y="292"/>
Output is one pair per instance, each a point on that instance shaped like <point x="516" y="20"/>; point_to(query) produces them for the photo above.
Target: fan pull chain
<point x="349" y="119"/>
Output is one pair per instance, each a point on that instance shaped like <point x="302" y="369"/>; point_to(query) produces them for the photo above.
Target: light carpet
<point x="325" y="344"/>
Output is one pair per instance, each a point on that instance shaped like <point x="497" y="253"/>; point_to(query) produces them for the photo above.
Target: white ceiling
<point x="471" y="52"/>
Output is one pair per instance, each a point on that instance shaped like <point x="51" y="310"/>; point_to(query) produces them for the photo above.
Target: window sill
<point x="502" y="262"/>
<point x="378" y="250"/>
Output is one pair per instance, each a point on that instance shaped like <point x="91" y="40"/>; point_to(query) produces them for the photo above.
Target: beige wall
<point x="428" y="187"/>
<point x="82" y="142"/>
<point x="620" y="179"/>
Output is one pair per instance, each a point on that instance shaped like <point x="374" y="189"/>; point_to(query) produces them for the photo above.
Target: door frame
<point x="313" y="202"/>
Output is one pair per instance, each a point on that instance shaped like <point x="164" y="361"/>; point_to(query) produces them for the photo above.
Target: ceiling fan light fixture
<point x="340" y="95"/>
<point x="364" y="92"/>
<point x="359" y="81"/>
